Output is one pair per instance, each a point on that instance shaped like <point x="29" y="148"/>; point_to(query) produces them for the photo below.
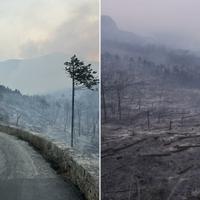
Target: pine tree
<point x="83" y="76"/>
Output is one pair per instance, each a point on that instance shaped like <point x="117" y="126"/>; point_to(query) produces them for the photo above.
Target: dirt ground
<point x="150" y="165"/>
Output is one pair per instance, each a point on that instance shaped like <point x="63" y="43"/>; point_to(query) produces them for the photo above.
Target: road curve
<point x="25" y="175"/>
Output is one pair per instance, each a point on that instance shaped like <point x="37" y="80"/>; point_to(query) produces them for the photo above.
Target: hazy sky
<point x="176" y="21"/>
<point x="36" y="27"/>
<point x="30" y="29"/>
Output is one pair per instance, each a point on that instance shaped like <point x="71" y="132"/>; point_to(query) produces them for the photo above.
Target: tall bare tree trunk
<point x="104" y="103"/>
<point x="72" y="120"/>
<point x="148" y="119"/>
<point x="170" y="125"/>
<point x="79" y="122"/>
<point x="66" y="118"/>
<point x="119" y="104"/>
<point x="139" y="104"/>
<point x="18" y="118"/>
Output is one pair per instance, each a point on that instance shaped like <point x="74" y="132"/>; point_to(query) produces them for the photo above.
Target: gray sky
<point x="30" y="29"/>
<point x="178" y="20"/>
<point x="35" y="27"/>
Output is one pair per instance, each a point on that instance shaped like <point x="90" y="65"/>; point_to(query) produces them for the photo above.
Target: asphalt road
<point x="25" y="175"/>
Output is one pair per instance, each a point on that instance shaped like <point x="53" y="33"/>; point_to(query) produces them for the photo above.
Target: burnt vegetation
<point x="150" y="121"/>
<point x="136" y="91"/>
<point x="51" y="115"/>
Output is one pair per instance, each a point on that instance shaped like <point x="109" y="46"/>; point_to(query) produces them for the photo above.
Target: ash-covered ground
<point x="151" y="165"/>
<point x="155" y="157"/>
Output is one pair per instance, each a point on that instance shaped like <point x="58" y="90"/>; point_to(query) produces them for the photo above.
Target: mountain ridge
<point x="117" y="41"/>
<point x="38" y="75"/>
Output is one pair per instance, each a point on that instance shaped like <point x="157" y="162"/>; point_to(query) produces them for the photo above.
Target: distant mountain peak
<point x="108" y="22"/>
<point x="111" y="32"/>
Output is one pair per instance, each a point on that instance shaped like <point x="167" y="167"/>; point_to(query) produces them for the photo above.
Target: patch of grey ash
<point x="149" y="168"/>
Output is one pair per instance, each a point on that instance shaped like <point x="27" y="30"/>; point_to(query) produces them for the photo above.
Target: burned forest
<point x="150" y="119"/>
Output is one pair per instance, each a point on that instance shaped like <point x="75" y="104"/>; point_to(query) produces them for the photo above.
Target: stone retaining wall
<point x="81" y="170"/>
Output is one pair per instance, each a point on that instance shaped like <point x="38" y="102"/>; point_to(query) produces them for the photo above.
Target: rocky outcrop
<point x="81" y="170"/>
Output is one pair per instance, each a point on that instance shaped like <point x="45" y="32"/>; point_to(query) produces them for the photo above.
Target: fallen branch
<point x="113" y="151"/>
<point x="156" y="154"/>
<point x="189" y="136"/>
<point x="180" y="138"/>
<point x="118" y="191"/>
<point x="185" y="170"/>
